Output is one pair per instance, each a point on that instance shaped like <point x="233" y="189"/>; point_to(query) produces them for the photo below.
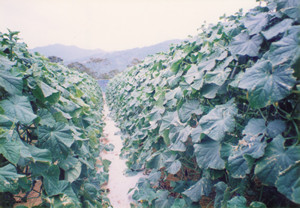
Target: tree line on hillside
<point x="95" y="74"/>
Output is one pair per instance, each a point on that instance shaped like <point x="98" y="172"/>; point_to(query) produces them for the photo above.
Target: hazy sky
<point x="111" y="24"/>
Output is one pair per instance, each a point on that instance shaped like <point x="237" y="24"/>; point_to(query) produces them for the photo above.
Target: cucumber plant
<point x="217" y="117"/>
<point x="50" y="125"/>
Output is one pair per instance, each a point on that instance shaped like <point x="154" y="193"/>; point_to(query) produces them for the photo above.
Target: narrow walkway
<point x="118" y="183"/>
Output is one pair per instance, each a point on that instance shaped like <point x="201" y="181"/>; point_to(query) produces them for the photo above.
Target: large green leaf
<point x="5" y="63"/>
<point x="217" y="77"/>
<point x="89" y="190"/>
<point x="67" y="105"/>
<point x="47" y="118"/>
<point x="189" y="108"/>
<point x="178" y="135"/>
<point x="174" y="94"/>
<point x="145" y="192"/>
<point x="36" y="154"/>
<point x="238" y="165"/>
<point x="12" y="84"/>
<point x="174" y="80"/>
<point x="194" y="77"/>
<point x="171" y="118"/>
<point x="256" y="204"/>
<point x="154" y="177"/>
<point x="67" y="200"/>
<point x="237" y="202"/>
<point x="255" y="23"/>
<point x="242" y="44"/>
<point x="179" y="203"/>
<point x="157" y="160"/>
<point x="197" y="84"/>
<point x="54" y="186"/>
<point x="10" y="149"/>
<point x="44" y="92"/>
<point x="5" y="121"/>
<point x="287" y="4"/>
<point x="73" y="173"/>
<point x="256" y="127"/>
<point x="57" y="187"/>
<point x="208" y="154"/>
<point x="177" y="61"/>
<point x="267" y="84"/>
<point x="278" y="28"/>
<point x="184" y="133"/>
<point x="196" y="191"/>
<point x="173" y="166"/>
<point x="8" y="178"/>
<point x="207" y="65"/>
<point x="57" y="139"/>
<point x="220" y="191"/>
<point x="286" y="48"/>
<point x="288" y="182"/>
<point x="72" y="168"/>
<point x="219" y="121"/>
<point x="178" y="146"/>
<point x="38" y="168"/>
<point x="163" y="200"/>
<point x="196" y="134"/>
<point x="210" y="91"/>
<point x="275" y="128"/>
<point x="253" y="146"/>
<point x="155" y="114"/>
<point x="277" y="158"/>
<point x="192" y="74"/>
<point x="18" y="108"/>
<point x="293" y="13"/>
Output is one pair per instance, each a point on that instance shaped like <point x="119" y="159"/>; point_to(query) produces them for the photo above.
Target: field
<point x="216" y="119"/>
<point x="213" y="122"/>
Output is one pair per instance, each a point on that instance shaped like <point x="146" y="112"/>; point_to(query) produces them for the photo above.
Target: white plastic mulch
<point x="118" y="183"/>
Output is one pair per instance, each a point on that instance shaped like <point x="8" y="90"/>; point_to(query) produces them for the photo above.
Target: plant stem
<point x="261" y="193"/>
<point x="261" y="113"/>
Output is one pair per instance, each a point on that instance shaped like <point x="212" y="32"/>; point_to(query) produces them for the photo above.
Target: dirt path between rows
<point x="118" y="183"/>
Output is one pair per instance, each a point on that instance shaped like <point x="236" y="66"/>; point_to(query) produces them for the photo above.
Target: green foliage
<point x="50" y="125"/>
<point x="217" y="115"/>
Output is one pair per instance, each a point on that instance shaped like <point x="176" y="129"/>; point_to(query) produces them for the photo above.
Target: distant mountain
<point x="119" y="60"/>
<point x="67" y="53"/>
<point x="100" y="63"/>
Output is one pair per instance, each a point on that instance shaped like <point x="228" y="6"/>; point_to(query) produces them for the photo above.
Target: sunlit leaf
<point x="242" y="44"/>
<point x="10" y="150"/>
<point x="201" y="188"/>
<point x="267" y="84"/>
<point x="286" y="48"/>
<point x="220" y="191"/>
<point x="278" y="28"/>
<point x="277" y="158"/>
<point x="237" y="202"/>
<point x="208" y="155"/>
<point x="8" y="178"/>
<point x="171" y="118"/>
<point x="255" y="23"/>
<point x="219" y="121"/>
<point x="12" y="84"/>
<point x="58" y="139"/>
<point x="189" y="108"/>
<point x="18" y="108"/>
<point x="288" y="182"/>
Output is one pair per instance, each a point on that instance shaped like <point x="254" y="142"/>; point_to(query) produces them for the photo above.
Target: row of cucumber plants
<point x="215" y="121"/>
<point x="50" y="125"/>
